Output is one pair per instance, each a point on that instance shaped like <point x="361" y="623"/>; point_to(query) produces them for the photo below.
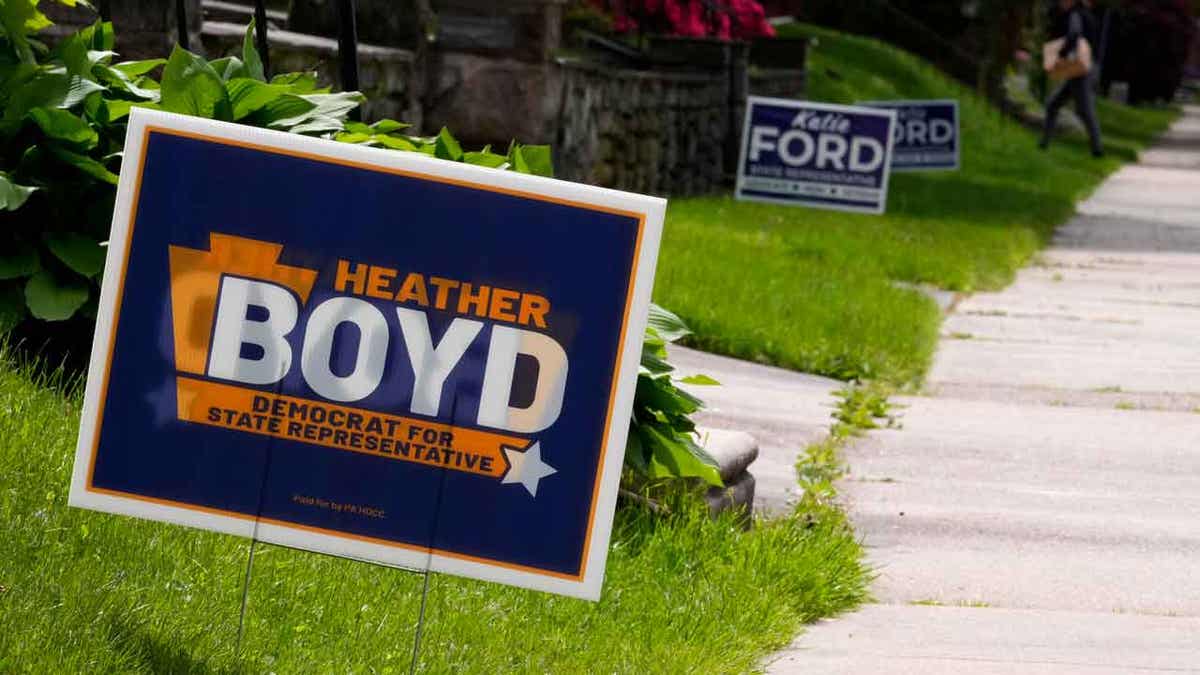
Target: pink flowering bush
<point x="722" y="19"/>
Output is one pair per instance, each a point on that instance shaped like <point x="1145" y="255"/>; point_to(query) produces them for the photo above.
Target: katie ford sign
<point x="367" y="353"/>
<point x="815" y="154"/>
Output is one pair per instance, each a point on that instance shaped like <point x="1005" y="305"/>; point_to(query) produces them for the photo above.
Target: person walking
<point x="1073" y="21"/>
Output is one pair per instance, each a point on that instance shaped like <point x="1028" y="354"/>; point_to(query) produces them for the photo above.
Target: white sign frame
<point x="958" y="137"/>
<point x="738" y="193"/>
<point x="588" y="584"/>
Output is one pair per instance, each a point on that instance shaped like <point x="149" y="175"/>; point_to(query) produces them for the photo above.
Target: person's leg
<point x="1085" y="106"/>
<point x="1053" y="105"/>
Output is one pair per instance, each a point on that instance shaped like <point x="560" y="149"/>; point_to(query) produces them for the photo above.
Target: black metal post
<point x="260" y="36"/>
<point x="181" y="23"/>
<point x="348" y="44"/>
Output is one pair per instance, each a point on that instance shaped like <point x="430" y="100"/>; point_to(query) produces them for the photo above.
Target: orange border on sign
<point x="112" y="343"/>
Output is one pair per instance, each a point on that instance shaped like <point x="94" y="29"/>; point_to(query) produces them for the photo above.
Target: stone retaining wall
<point x="778" y="82"/>
<point x="645" y="131"/>
<point x="667" y="130"/>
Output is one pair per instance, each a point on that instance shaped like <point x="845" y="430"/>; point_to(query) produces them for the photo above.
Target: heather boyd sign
<point x="367" y="353"/>
<point x="816" y="154"/>
<point x="927" y="134"/>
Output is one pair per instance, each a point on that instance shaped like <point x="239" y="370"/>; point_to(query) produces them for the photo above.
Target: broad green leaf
<point x="288" y="106"/>
<point x="655" y="364"/>
<point x="22" y="262"/>
<point x="73" y="51"/>
<point x="395" y="142"/>
<point x="248" y="96"/>
<point x="447" y="146"/>
<point x="118" y="109"/>
<point x="12" y="308"/>
<point x="191" y="86"/>
<point x="13" y="76"/>
<point x="84" y="163"/>
<point x="661" y="394"/>
<point x="666" y="324"/>
<point x="702" y="380"/>
<point x="327" y="113"/>
<point x="100" y="56"/>
<point x="635" y="454"/>
<point x="389" y="126"/>
<point x="250" y="56"/>
<point x="538" y="160"/>
<point x="300" y="83"/>
<point x="98" y="36"/>
<point x="517" y="159"/>
<point x="140" y="87"/>
<point x="64" y="126"/>
<point x="229" y="67"/>
<point x="318" y="125"/>
<point x="672" y="456"/>
<point x="489" y="159"/>
<point x="81" y="253"/>
<point x="12" y="196"/>
<point x="353" y="137"/>
<point x="49" y="90"/>
<point x="18" y="20"/>
<point x="336" y="104"/>
<point x="136" y="68"/>
<point x="79" y="89"/>
<point x="53" y="299"/>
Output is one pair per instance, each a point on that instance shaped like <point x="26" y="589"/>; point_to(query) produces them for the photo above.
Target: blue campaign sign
<point x="368" y="353"/>
<point x="927" y="134"/>
<point x="815" y="154"/>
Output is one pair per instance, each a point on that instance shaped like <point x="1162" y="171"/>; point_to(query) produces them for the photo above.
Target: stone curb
<point x="734" y="452"/>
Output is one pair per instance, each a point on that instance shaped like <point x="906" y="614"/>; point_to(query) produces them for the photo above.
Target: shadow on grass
<point x="161" y="656"/>
<point x="988" y="203"/>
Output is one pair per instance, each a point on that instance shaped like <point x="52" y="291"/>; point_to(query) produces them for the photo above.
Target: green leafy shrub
<point x="63" y="114"/>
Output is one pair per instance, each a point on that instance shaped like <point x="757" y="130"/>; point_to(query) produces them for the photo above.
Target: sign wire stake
<point x="420" y="624"/>
<point x="429" y="560"/>
<point x="245" y="596"/>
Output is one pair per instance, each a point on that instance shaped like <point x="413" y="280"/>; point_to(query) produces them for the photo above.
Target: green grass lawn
<point x="815" y="290"/>
<point x="88" y="592"/>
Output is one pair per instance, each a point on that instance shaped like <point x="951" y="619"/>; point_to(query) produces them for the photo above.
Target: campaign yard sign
<point x="367" y="353"/>
<point x="927" y="134"/>
<point x="815" y="154"/>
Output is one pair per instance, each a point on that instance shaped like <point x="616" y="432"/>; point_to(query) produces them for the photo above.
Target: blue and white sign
<point x="367" y="353"/>
<point x="927" y="134"/>
<point x="816" y="154"/>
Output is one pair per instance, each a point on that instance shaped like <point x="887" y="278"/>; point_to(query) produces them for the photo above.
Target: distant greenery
<point x="87" y="592"/>
<point x="818" y="290"/>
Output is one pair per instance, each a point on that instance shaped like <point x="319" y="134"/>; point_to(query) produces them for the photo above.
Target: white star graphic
<point x="527" y="468"/>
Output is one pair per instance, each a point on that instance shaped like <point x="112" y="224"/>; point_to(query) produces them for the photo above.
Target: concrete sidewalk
<point x="784" y="410"/>
<point x="1039" y="509"/>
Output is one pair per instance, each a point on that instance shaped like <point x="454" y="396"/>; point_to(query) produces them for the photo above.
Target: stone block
<point x="737" y="494"/>
<point x="733" y="451"/>
<point x="489" y="100"/>
<point x="603" y="174"/>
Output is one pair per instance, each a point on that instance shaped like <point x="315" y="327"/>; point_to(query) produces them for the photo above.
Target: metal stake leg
<point x="420" y="624"/>
<point x="245" y="595"/>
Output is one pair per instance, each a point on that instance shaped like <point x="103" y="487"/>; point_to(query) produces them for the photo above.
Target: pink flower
<point x="624" y="24"/>
<point x="673" y="12"/>
<point x="732" y="19"/>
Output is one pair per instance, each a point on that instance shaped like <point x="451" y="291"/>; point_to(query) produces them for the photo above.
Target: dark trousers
<point x="1080" y="89"/>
